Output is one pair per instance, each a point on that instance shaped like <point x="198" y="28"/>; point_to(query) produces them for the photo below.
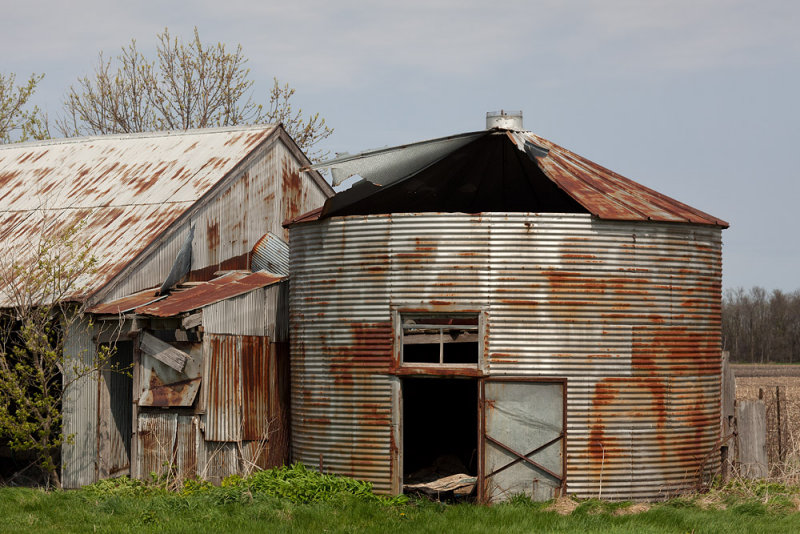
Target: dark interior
<point x="440" y="427"/>
<point x="489" y="174"/>
<point x="120" y="385"/>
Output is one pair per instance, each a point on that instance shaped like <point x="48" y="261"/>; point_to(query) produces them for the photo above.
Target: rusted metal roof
<point x="199" y="295"/>
<point x="127" y="304"/>
<point x="495" y="171"/>
<point x="224" y="287"/>
<point x="121" y="192"/>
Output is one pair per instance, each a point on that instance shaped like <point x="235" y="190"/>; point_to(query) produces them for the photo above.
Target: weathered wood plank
<point x="196" y="319"/>
<point x="727" y="415"/>
<point x="163" y="352"/>
<point x="751" y="423"/>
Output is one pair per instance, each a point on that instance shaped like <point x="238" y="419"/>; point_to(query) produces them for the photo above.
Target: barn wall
<point x="79" y="451"/>
<point x="263" y="192"/>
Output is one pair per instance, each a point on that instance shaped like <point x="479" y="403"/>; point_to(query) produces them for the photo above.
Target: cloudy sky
<point x="695" y="98"/>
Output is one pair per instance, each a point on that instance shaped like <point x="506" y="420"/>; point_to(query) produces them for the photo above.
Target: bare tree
<point x="761" y="327"/>
<point x="188" y="85"/>
<point x="38" y="282"/>
<point x="19" y="121"/>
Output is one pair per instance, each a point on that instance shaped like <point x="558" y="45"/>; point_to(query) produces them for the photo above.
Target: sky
<point x="697" y="99"/>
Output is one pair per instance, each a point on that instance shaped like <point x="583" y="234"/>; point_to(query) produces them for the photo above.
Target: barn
<point x="492" y="309"/>
<point x="189" y="289"/>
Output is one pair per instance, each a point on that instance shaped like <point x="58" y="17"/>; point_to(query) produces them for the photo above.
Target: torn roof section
<point x="197" y="296"/>
<point x="494" y="170"/>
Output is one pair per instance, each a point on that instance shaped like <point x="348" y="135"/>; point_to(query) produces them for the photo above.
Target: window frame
<point x="469" y="369"/>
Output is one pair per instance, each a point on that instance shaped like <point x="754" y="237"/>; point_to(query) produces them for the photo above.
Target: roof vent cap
<point x="506" y="120"/>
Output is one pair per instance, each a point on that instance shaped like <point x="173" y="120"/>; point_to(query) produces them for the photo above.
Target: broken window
<point x="440" y="338"/>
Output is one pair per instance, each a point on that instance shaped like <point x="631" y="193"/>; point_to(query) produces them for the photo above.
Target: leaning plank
<point x="163" y="352"/>
<point x="751" y="422"/>
<point x="196" y="319"/>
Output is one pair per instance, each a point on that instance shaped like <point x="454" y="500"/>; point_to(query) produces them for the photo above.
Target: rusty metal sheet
<point x="157" y="433"/>
<point x="256" y="382"/>
<point x="163" y="386"/>
<point x="126" y="304"/>
<point x="186" y="451"/>
<point x="627" y="312"/>
<point x="204" y="294"/>
<point x="606" y="193"/>
<point x="109" y="183"/>
<point x="223" y="389"/>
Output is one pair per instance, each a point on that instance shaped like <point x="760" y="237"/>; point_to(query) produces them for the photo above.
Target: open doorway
<point x="116" y="415"/>
<point x="440" y="434"/>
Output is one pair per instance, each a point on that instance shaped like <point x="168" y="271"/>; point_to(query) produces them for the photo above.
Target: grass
<point x="311" y="503"/>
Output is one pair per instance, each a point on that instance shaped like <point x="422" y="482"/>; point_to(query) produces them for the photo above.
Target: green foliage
<point x="294" y="484"/>
<point x="299" y="484"/>
<point x="38" y="280"/>
<point x="19" y="121"/>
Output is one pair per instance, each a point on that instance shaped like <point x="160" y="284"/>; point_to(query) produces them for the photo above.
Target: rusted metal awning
<point x="224" y="287"/>
<point x="495" y="171"/>
<point x="185" y="300"/>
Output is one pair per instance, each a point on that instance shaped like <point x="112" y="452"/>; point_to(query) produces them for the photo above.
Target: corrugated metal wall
<point x="629" y="313"/>
<point x="263" y="312"/>
<point x="80" y="413"/>
<point x="265" y="191"/>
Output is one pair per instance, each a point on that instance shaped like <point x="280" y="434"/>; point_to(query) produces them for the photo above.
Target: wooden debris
<point x="163" y="352"/>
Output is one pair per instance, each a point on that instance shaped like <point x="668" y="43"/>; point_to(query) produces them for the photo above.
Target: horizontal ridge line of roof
<point x="137" y="135"/>
<point x="102" y="206"/>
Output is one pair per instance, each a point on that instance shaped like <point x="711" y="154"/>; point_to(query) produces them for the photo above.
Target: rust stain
<point x="212" y="237"/>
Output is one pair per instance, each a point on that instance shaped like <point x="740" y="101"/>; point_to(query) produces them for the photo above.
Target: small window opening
<point x="440" y="339"/>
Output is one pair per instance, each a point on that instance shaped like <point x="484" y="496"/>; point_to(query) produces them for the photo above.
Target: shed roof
<point x="494" y="170"/>
<point x="119" y="191"/>
<point x="200" y="294"/>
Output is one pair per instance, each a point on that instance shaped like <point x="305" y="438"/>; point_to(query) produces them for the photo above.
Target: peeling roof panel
<point x="127" y="304"/>
<point x="497" y="171"/>
<point x="122" y="191"/>
<point x="224" y="287"/>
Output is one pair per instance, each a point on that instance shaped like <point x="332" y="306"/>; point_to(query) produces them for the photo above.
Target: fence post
<point x="727" y="413"/>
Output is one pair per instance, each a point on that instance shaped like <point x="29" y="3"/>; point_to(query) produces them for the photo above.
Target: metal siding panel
<point x="628" y="312"/>
<point x="222" y="460"/>
<point x="223" y="386"/>
<point x="186" y="446"/>
<point x="80" y="413"/>
<point x="523" y="416"/>
<point x="256" y="386"/>
<point x="246" y="314"/>
<point x="271" y="254"/>
<point x="157" y="442"/>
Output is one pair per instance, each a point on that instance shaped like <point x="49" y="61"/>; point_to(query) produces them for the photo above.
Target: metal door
<point x="523" y="438"/>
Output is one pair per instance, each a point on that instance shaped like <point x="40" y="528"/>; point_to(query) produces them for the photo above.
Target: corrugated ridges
<point x="629" y="313"/>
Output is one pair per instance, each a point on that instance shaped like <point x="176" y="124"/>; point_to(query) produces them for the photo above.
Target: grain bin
<point x="493" y="309"/>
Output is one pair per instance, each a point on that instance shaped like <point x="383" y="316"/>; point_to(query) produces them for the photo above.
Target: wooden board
<point x="163" y="352"/>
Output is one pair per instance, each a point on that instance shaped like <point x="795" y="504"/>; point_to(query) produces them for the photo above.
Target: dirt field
<point x="768" y="382"/>
<point x="776" y="370"/>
